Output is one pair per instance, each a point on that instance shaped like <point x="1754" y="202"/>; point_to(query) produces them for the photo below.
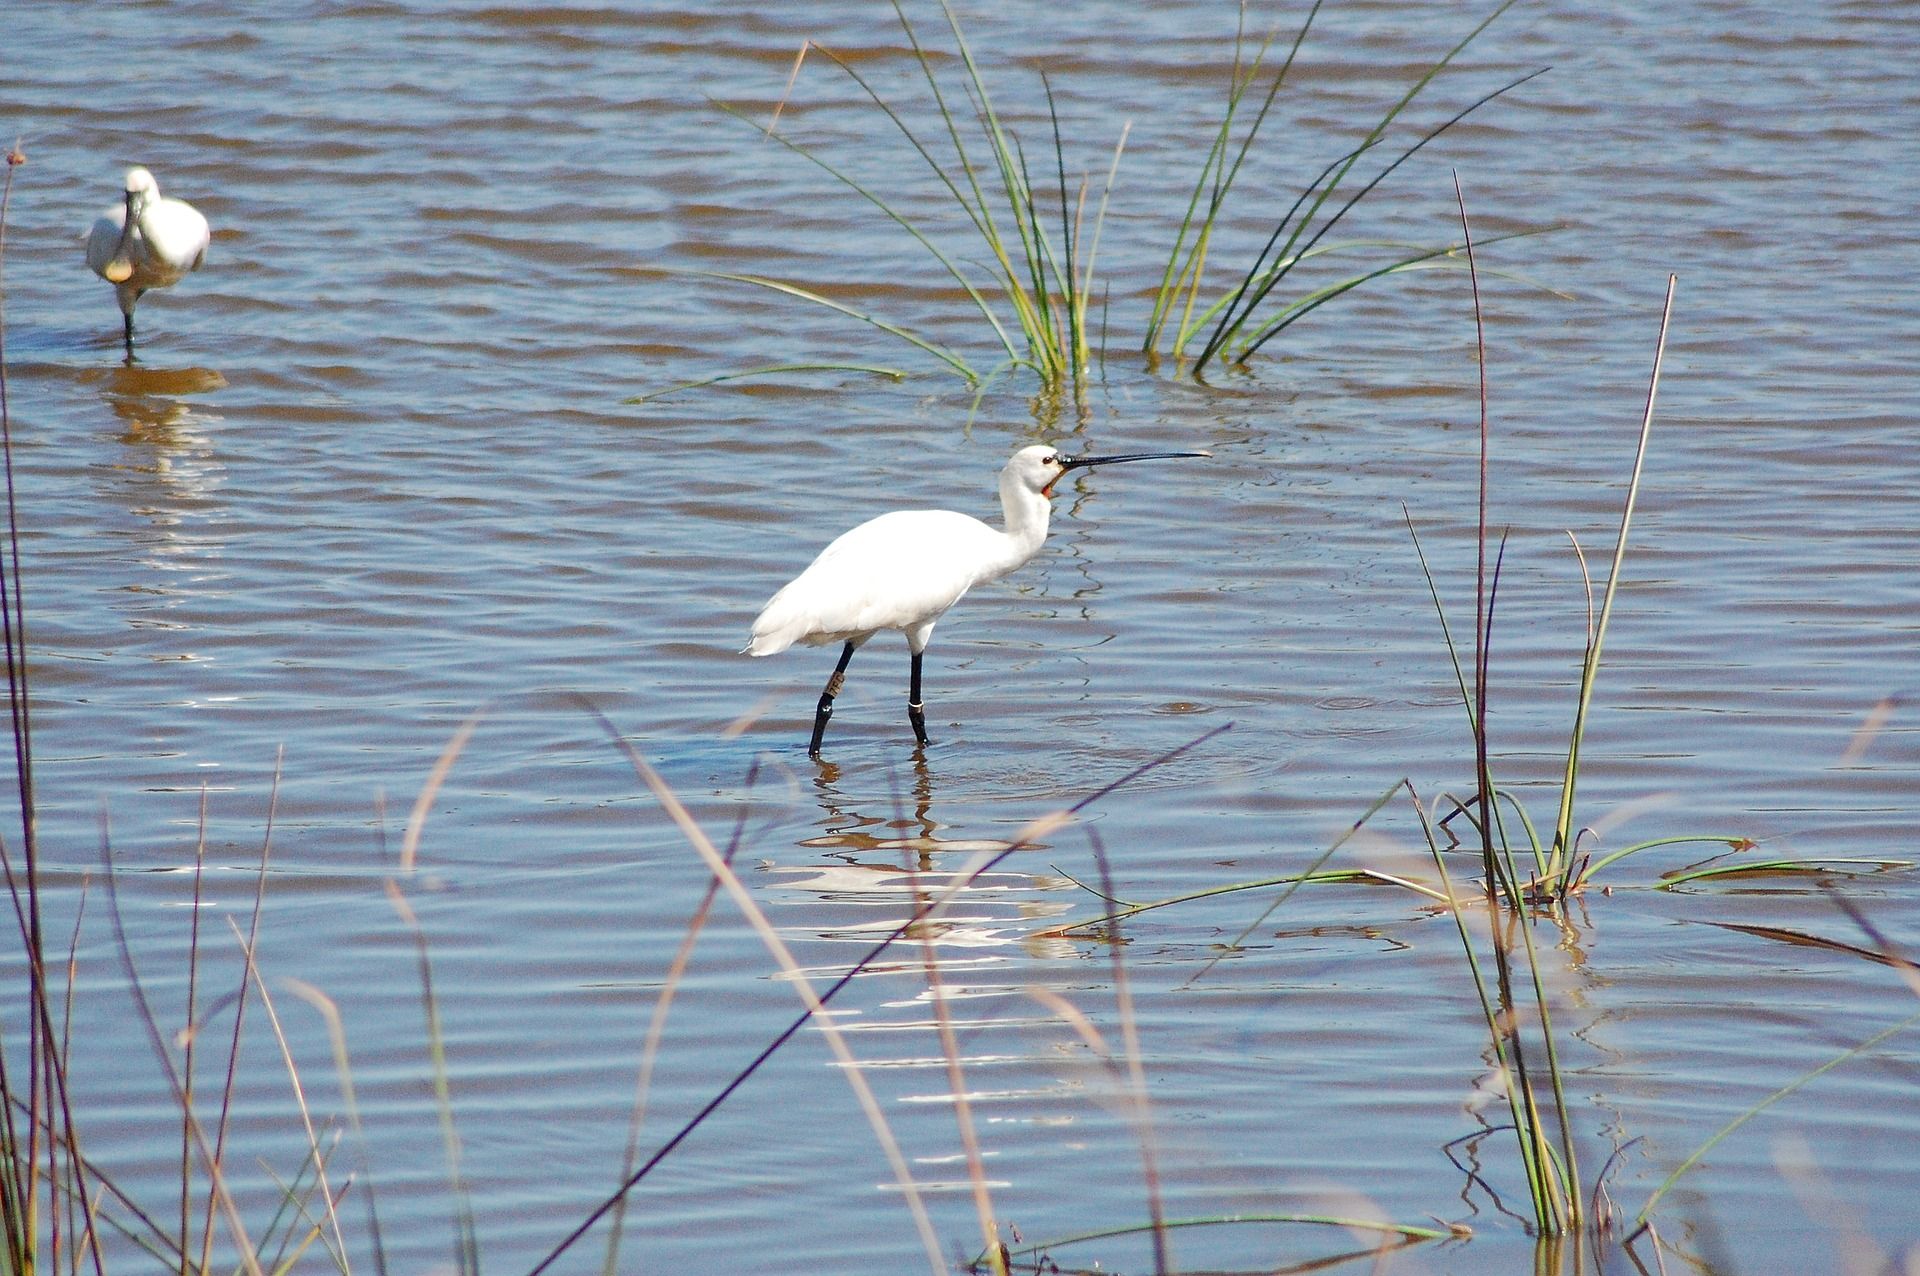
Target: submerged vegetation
<point x="1042" y="298"/>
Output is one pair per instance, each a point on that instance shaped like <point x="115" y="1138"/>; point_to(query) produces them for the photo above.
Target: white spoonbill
<point x="145" y="242"/>
<point x="905" y="569"/>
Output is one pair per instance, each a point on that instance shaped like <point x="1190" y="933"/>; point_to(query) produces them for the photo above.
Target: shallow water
<point x="374" y="472"/>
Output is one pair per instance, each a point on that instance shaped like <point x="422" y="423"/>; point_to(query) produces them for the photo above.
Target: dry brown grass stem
<point x="337" y="1039"/>
<point x="197" y="1134"/>
<point x="657" y="1026"/>
<point x="417" y="817"/>
<point x="240" y="999"/>
<point x="339" y="1245"/>
<point x="799" y="60"/>
<point x="776" y="947"/>
<point x="1136" y="1072"/>
<point x="990" y="1241"/>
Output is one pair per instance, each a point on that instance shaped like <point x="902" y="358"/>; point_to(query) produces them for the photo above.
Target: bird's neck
<point x="1027" y="513"/>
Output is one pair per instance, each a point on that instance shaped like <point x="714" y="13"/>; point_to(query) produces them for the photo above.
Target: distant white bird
<point x="905" y="569"/>
<point x="145" y="242"/>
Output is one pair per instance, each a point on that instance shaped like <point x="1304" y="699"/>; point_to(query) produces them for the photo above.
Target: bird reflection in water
<point x="851" y="833"/>
<point x="151" y="404"/>
<point x="902" y="861"/>
<point x="170" y="470"/>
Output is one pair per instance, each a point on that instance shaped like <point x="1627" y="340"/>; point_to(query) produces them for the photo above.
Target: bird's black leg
<point x="916" y="712"/>
<point x="128" y="327"/>
<point x="825" y="710"/>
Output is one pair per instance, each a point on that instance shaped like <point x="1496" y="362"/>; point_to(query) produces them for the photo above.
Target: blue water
<point x="374" y="472"/>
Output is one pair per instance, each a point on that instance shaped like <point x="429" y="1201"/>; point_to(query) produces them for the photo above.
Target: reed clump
<point x="1038" y="232"/>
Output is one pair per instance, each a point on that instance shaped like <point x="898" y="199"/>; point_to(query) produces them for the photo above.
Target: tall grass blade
<point x="1259" y="274"/>
<point x="1403" y="1231"/>
<point x="466" y="1239"/>
<point x="1722" y="839"/>
<point x="338" y="1245"/>
<point x="1720" y="1135"/>
<point x="742" y="898"/>
<point x="957" y="1086"/>
<point x="1086" y="926"/>
<point x="974" y="200"/>
<point x="343" y="1070"/>
<point x="1295" y="881"/>
<point x="973" y="292"/>
<point x="657" y="1024"/>
<point x="767" y="370"/>
<point x="939" y="352"/>
<point x="1505" y="1041"/>
<point x="1230" y="327"/>
<point x="423" y="801"/>
<point x="1187" y="275"/>
<point x="1136" y="1072"/>
<point x="1425" y="259"/>
<point x="48" y="1107"/>
<point x="1439" y="609"/>
<point x="1253" y="345"/>
<point x="240" y="1003"/>
<point x="295" y="1209"/>
<point x="144" y="1012"/>
<point x="1482" y="618"/>
<point x="1590" y="666"/>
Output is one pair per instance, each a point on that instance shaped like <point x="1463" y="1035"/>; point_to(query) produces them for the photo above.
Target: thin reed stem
<point x="657" y="1022"/>
<point x="144" y="1012"/>
<point x="1590" y="666"/>
<point x="339" y="1244"/>
<point x="1135" y="1071"/>
<point x="240" y="1000"/>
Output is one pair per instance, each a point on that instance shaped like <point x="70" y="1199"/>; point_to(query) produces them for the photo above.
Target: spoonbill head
<point x="145" y="242"/>
<point x="905" y="569"/>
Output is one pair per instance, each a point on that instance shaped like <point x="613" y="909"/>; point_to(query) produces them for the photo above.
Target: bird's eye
<point x="1051" y="460"/>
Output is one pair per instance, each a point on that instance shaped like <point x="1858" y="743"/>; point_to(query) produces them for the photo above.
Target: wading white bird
<point x="905" y="569"/>
<point x="145" y="242"/>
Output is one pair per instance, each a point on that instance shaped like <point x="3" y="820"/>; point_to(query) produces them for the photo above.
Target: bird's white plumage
<point x="905" y="569"/>
<point x="145" y="241"/>
<point x="898" y="571"/>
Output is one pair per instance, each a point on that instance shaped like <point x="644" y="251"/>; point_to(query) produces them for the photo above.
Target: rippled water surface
<point x="375" y="472"/>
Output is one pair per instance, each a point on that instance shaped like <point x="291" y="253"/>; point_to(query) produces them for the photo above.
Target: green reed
<point x="1555" y="869"/>
<point x="1552" y="1174"/>
<point x="1510" y="987"/>
<point x="42" y="1167"/>
<point x="1239" y="325"/>
<point x="1040" y="249"/>
<point x="1041" y="297"/>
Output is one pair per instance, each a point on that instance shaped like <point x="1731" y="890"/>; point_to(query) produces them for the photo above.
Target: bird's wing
<point x="893" y="572"/>
<point x="104" y="237"/>
<point x="177" y="234"/>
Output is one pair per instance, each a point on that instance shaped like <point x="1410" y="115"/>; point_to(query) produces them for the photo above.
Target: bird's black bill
<point x="1081" y="462"/>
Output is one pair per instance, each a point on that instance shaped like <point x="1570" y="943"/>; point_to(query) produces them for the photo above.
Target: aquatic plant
<point x="47" y="1187"/>
<point x="1042" y="241"/>
<point x="1238" y="325"/>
